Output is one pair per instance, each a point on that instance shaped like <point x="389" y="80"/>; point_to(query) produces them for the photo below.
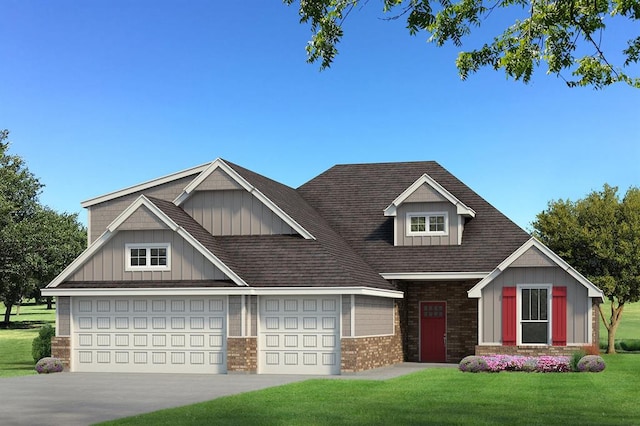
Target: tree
<point x="569" y="35"/>
<point x="36" y="242"/>
<point x="599" y="236"/>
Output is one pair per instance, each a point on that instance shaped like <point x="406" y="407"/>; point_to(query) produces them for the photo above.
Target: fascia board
<point x="219" y="163"/>
<point x="231" y="291"/>
<point x="461" y="208"/>
<point x="142" y="186"/>
<point x="433" y="276"/>
<point x="592" y="290"/>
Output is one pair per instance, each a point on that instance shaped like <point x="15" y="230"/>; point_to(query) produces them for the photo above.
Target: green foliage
<point x="630" y="345"/>
<point x="41" y="346"/>
<point x="575" y="359"/>
<point x="567" y="35"/>
<point x="599" y="236"/>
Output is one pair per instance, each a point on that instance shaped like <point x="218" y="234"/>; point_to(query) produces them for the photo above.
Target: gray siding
<point x="374" y="316"/>
<point x="346" y="315"/>
<point x="101" y="215"/>
<point x="532" y="257"/>
<point x="437" y="240"/>
<point x="235" y="316"/>
<point x="423" y="194"/>
<point x="63" y="310"/>
<point x="234" y="213"/>
<point x="577" y="301"/>
<point x="108" y="264"/>
<point x="252" y="315"/>
<point x="142" y="219"/>
<point x="218" y="180"/>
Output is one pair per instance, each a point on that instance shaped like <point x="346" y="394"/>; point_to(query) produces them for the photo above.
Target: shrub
<point x="591" y="363"/>
<point x="575" y="359"/>
<point x="553" y="364"/>
<point x="593" y="349"/>
<point x="41" y="346"/>
<point x="49" y="365"/>
<point x="473" y="364"/>
<point x="630" y="345"/>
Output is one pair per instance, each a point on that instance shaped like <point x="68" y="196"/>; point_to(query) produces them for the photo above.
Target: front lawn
<point x="15" y="341"/>
<point x="434" y="396"/>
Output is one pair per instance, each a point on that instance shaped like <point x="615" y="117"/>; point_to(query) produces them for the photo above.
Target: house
<point x="217" y="269"/>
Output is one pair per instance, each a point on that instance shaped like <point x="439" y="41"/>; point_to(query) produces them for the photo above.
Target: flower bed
<point x="496" y="363"/>
<point x="49" y="365"/>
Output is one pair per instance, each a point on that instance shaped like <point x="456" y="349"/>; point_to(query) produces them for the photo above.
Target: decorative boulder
<point x="591" y="363"/>
<point x="49" y="365"/>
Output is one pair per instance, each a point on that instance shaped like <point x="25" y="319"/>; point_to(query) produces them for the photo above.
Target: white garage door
<point x="299" y="335"/>
<point x="157" y="334"/>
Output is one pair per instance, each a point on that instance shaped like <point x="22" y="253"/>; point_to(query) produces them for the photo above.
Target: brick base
<point x="526" y="350"/>
<point x="242" y="354"/>
<point x="61" y="349"/>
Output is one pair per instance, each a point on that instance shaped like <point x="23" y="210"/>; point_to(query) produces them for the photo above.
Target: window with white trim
<point x="535" y="314"/>
<point x="436" y="223"/>
<point x="148" y="257"/>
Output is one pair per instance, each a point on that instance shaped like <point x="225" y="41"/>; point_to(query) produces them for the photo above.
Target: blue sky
<point x="105" y="94"/>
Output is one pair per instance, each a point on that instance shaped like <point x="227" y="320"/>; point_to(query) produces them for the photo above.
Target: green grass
<point x="15" y="342"/>
<point x="434" y="396"/>
<point x="629" y="326"/>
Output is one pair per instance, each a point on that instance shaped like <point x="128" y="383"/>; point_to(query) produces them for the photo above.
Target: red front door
<point x="433" y="331"/>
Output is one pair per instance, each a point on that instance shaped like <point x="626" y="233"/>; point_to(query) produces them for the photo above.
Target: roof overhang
<point x="434" y="276"/>
<point x="593" y="290"/>
<point x="230" y="291"/>
<point x="461" y="208"/>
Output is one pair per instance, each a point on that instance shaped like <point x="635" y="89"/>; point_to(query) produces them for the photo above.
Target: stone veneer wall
<point x="462" y="317"/>
<point x="365" y="353"/>
<point x="61" y="349"/>
<point x="242" y="354"/>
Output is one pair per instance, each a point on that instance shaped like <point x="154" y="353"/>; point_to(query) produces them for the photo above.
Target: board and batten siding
<point x="108" y="264"/>
<point x="234" y="212"/>
<point x="102" y="214"/>
<point x="373" y="316"/>
<point x="455" y="225"/>
<point x="577" y="300"/>
<point x="63" y="315"/>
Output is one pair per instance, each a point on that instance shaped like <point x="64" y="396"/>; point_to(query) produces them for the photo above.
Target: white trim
<point x="112" y="229"/>
<point x="461" y="208"/>
<point x="590" y="325"/>
<point x="231" y="291"/>
<point x="549" y="321"/>
<point x="142" y="186"/>
<point x="480" y="322"/>
<point x="219" y="163"/>
<point x="490" y="344"/>
<point x="433" y="276"/>
<point x="592" y="290"/>
<point x="148" y="267"/>
<point x="352" y="314"/>
<point x="427" y="216"/>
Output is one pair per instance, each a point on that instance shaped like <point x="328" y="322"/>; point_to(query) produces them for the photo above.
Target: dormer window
<point x="148" y="257"/>
<point x="433" y="223"/>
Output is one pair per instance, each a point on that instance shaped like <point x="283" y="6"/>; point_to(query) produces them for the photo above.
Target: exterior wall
<point x="235" y="212"/>
<point x="374" y="316"/>
<point x="61" y="349"/>
<point x="101" y="215"/>
<point x="109" y="263"/>
<point x="346" y="315"/>
<point x="462" y="317"/>
<point x="534" y="258"/>
<point x="364" y="353"/>
<point x="525" y="350"/>
<point x="577" y="301"/>
<point x="235" y="316"/>
<point x="436" y="240"/>
<point x="218" y="180"/>
<point x="242" y="355"/>
<point x="63" y="315"/>
<point x="425" y="194"/>
<point x="141" y="220"/>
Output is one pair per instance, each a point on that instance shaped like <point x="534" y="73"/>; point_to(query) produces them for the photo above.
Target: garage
<point x="149" y="335"/>
<point x="299" y="335"/>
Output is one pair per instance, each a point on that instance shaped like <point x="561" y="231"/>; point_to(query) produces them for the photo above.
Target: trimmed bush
<point x="591" y="363"/>
<point x="473" y="364"/>
<point x="41" y="346"/>
<point x="575" y="359"/>
<point x="630" y="345"/>
<point x="49" y="365"/>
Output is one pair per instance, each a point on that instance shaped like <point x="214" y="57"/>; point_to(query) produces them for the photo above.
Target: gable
<point x="218" y="180"/>
<point x="142" y="219"/>
<point x="425" y="194"/>
<point x="532" y="257"/>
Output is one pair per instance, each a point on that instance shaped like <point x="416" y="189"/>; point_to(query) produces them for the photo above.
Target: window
<point x="535" y="302"/>
<point x="427" y="224"/>
<point x="148" y="257"/>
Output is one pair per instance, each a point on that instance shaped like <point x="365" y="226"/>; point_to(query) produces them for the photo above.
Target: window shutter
<point x="509" y="316"/>
<point x="559" y="317"/>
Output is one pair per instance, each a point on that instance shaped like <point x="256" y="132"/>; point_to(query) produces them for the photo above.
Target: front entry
<point x="433" y="331"/>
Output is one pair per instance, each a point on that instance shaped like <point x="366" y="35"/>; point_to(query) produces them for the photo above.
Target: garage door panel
<point x="150" y="335"/>
<point x="299" y="335"/>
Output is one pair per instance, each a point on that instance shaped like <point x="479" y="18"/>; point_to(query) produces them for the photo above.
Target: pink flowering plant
<point x="497" y="363"/>
<point x="49" y="365"/>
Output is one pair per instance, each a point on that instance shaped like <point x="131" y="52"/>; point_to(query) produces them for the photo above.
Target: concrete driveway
<point x="86" y="398"/>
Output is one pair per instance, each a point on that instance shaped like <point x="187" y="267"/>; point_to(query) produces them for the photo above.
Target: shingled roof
<point x="352" y="198"/>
